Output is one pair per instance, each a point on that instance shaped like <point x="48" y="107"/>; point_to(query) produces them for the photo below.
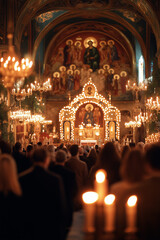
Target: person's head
<point x="69" y="43"/>
<point x="96" y="147"/>
<point x="17" y="147"/>
<point x="90" y="43"/>
<point x="140" y="146"/>
<point x="74" y="150"/>
<point x="108" y="155"/>
<point x="41" y="157"/>
<point x="81" y="151"/>
<point x="92" y="154"/>
<point x="5" y="147"/>
<point x="51" y="152"/>
<point x="133" y="167"/>
<point x="39" y="144"/>
<point x="45" y="147"/>
<point x="29" y="150"/>
<point x="152" y="157"/>
<point x="8" y="175"/>
<point x="89" y="109"/>
<point x="61" y="157"/>
<point x="132" y="145"/>
<point x="61" y="145"/>
<point x="124" y="151"/>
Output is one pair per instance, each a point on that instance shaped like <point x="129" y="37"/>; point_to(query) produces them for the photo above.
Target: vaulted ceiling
<point x="128" y="19"/>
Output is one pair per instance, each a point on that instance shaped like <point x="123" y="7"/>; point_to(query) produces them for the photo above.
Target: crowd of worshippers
<point x="41" y="187"/>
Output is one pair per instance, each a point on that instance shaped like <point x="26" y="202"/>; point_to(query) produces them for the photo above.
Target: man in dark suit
<point x="43" y="201"/>
<point x="80" y="169"/>
<point x="20" y="158"/>
<point x="69" y="181"/>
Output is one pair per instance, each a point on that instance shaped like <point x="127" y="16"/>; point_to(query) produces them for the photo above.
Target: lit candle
<point x="101" y="185"/>
<point x="109" y="210"/>
<point x="89" y="199"/>
<point x="131" y="213"/>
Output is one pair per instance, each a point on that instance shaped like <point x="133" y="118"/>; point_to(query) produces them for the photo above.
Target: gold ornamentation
<point x="106" y="66"/>
<point x="69" y="40"/>
<point x="102" y="43"/>
<point x="69" y="71"/>
<point x="78" y="42"/>
<point x="93" y="39"/>
<point x="123" y="74"/>
<point x="62" y="68"/>
<point x="110" y="42"/>
<point x="111" y="71"/>
<point x="56" y="74"/>
<point x="89" y="106"/>
<point x="116" y="76"/>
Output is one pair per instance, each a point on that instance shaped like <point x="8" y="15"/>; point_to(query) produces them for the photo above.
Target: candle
<point x="89" y="199"/>
<point x="109" y="210"/>
<point x="101" y="185"/>
<point x="131" y="213"/>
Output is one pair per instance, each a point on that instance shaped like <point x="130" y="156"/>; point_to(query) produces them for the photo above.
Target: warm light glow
<point x="109" y="199"/>
<point x="90" y="197"/>
<point x="132" y="201"/>
<point x="68" y="113"/>
<point x="11" y="66"/>
<point x="100" y="176"/>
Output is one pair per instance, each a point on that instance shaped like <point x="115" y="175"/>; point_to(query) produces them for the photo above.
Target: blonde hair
<point x="8" y="176"/>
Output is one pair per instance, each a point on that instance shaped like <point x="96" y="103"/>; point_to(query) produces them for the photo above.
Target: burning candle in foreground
<point x="101" y="186"/>
<point x="109" y="211"/>
<point x="89" y="199"/>
<point x="131" y="214"/>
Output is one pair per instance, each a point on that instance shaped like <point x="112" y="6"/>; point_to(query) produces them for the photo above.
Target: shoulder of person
<point x="26" y="172"/>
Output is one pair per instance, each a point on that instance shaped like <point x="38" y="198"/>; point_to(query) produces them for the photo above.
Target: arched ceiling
<point x="67" y="32"/>
<point x="72" y="21"/>
<point x="114" y="8"/>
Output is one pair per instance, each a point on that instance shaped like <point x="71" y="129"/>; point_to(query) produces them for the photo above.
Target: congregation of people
<point x="41" y="187"/>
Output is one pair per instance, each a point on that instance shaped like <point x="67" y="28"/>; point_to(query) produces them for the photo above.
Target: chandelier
<point x="136" y="88"/>
<point x="133" y="124"/>
<point x="153" y="105"/>
<point x="141" y="118"/>
<point x="155" y="137"/>
<point x="11" y="67"/>
<point x="35" y="118"/>
<point x="21" y="94"/>
<point x="38" y="118"/>
<point x="20" y="115"/>
<point x="46" y="86"/>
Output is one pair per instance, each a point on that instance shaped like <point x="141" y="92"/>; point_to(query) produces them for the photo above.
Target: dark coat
<point x="81" y="172"/>
<point x="43" y="205"/>
<point x="70" y="187"/>
<point x="9" y="216"/>
<point x="21" y="161"/>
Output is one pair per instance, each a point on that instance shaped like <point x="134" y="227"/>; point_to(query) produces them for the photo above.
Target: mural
<point x="89" y="114"/>
<point x="81" y="57"/>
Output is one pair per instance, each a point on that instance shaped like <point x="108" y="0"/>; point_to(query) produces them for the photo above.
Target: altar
<point x="88" y="142"/>
<point x="89" y="118"/>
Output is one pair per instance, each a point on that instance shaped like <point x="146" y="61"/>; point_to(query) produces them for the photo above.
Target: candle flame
<point x="90" y="197"/>
<point x="132" y="201"/>
<point x="100" y="175"/>
<point x="109" y="199"/>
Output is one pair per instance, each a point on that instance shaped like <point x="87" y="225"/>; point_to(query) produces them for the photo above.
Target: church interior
<point x="77" y="71"/>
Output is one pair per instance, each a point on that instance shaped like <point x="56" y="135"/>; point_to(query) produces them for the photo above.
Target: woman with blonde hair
<point x="10" y="193"/>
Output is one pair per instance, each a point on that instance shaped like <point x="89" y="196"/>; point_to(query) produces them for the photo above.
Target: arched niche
<point x="90" y="116"/>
